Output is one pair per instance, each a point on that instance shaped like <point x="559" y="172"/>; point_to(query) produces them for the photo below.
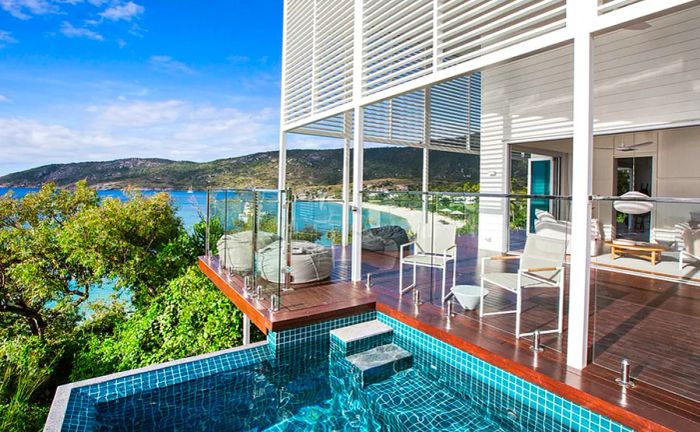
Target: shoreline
<point x="413" y="217"/>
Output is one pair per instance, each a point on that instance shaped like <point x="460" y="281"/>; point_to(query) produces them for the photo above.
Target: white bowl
<point x="468" y="296"/>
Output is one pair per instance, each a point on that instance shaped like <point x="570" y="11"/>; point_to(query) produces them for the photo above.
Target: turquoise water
<point x="308" y="387"/>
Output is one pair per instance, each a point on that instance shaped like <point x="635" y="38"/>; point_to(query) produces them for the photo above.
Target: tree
<point x="39" y="282"/>
<point x="140" y="243"/>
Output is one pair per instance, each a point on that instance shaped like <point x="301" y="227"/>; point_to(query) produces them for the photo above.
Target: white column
<point x="426" y="182"/>
<point x="358" y="179"/>
<point x="246" y="330"/>
<point x="345" y="219"/>
<point x="426" y="153"/>
<point x="282" y="183"/>
<point x="577" y="345"/>
<point x="358" y="141"/>
<point x="282" y="168"/>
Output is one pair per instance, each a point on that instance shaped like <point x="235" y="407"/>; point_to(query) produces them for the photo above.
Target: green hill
<point x="389" y="166"/>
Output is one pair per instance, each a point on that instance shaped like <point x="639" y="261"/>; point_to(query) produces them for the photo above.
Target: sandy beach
<point x="413" y="217"/>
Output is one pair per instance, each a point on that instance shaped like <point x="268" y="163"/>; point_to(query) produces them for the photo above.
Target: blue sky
<point x="105" y="79"/>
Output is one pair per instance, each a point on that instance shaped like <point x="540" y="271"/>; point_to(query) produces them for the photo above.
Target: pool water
<point x="308" y="388"/>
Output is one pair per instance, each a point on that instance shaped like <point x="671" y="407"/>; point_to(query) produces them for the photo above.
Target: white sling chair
<point x="541" y="266"/>
<point x="435" y="246"/>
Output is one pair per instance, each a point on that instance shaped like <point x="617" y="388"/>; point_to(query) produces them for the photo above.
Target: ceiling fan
<point x="631" y="147"/>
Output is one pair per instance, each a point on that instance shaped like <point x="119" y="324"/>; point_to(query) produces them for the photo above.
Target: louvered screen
<point x="319" y="56"/>
<point x="605" y="6"/>
<point x="455" y="114"/>
<point x="472" y="28"/>
<point x="298" y="62"/>
<point x="398" y="42"/>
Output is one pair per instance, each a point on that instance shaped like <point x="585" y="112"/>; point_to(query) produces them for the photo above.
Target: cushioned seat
<point x="310" y="262"/>
<point x="426" y="260"/>
<point x="384" y="239"/>
<point x="236" y="250"/>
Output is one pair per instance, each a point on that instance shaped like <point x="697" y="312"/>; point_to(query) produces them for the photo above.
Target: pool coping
<point x="57" y="412"/>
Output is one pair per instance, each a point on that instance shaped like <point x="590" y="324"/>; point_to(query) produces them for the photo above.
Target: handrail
<point x="669" y="200"/>
<point x="470" y="194"/>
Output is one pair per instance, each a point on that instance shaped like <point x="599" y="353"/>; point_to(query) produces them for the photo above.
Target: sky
<point x="85" y="80"/>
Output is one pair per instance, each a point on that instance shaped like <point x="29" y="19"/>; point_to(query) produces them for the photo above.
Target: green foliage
<point x="139" y="243"/>
<point x="22" y="375"/>
<point x="55" y="245"/>
<point x="41" y="284"/>
<point x="188" y="317"/>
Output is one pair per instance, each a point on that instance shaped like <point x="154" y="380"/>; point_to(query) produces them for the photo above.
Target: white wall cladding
<point x="469" y="29"/>
<point x="643" y="79"/>
<point x="398" y="42"/>
<point x="319" y="56"/>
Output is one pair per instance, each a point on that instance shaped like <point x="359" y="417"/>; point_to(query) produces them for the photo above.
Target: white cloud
<point x="126" y="12"/>
<point x="70" y="31"/>
<point x="138" y="113"/>
<point x="4" y="99"/>
<point x="171" y="129"/>
<point x="170" y="65"/>
<point x="6" y="38"/>
<point x="24" y="9"/>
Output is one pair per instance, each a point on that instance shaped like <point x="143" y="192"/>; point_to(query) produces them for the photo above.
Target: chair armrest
<point x="540" y="269"/>
<point x="444" y="254"/>
<point x="497" y="258"/>
<point x="502" y="257"/>
<point x="403" y="246"/>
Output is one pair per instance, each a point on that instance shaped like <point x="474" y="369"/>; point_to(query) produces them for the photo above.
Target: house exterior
<point x="570" y="83"/>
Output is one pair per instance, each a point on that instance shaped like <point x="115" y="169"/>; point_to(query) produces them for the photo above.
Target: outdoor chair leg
<point x="401" y="277"/>
<point x="481" y="303"/>
<point x="518" y="307"/>
<point x="454" y="271"/>
<point x="414" y="275"/>
<point x="561" y="305"/>
<point x="444" y="277"/>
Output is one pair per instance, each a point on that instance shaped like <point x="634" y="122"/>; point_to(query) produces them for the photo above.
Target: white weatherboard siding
<point x="644" y="79"/>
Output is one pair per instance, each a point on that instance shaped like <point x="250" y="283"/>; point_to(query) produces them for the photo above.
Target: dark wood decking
<point x="302" y="306"/>
<point x="652" y="322"/>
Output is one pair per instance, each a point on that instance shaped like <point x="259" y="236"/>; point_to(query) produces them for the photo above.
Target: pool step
<point x="361" y="337"/>
<point x="380" y="363"/>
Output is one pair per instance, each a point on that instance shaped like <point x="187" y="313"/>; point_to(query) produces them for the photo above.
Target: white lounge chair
<point x="541" y="266"/>
<point x="435" y="246"/>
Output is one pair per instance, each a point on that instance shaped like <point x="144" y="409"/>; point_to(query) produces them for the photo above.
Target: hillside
<point x="390" y="166"/>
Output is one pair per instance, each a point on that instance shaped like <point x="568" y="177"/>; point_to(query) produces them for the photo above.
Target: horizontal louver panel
<point x="470" y="29"/>
<point x="605" y="6"/>
<point x="319" y="56"/>
<point x="398" y="42"/>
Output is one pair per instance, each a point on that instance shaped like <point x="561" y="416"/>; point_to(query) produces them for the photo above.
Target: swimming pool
<point x="302" y="380"/>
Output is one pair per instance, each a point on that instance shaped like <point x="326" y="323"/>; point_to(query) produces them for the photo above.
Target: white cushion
<point x="544" y="215"/>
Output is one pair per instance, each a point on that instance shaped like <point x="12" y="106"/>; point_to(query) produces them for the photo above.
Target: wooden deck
<point x="651" y="322"/>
